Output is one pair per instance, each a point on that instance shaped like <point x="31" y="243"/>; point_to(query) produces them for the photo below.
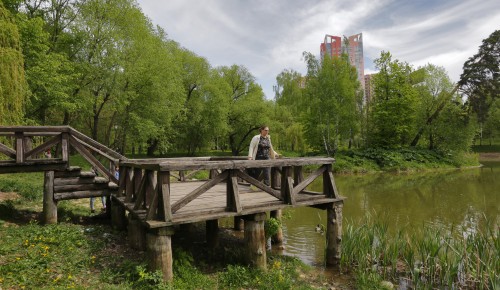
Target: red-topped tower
<point x="335" y="46"/>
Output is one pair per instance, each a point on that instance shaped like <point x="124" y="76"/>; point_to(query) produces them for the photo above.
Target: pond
<point x="447" y="197"/>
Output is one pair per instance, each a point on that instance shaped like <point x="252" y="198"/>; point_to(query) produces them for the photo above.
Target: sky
<point x="268" y="36"/>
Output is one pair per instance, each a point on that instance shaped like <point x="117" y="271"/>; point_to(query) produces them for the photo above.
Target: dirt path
<point x="8" y="195"/>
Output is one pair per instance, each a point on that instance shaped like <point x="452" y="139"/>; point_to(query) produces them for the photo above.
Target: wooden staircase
<point x="73" y="183"/>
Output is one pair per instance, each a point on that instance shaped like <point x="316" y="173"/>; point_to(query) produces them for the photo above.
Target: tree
<point x="204" y="117"/>
<point x="333" y="96"/>
<point x="12" y="78"/>
<point x="480" y="80"/>
<point x="392" y="112"/>
<point x="248" y="109"/>
<point x="433" y="86"/>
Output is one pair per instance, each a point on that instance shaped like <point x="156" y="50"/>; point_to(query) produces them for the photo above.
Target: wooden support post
<point x="255" y="240"/>
<point x="329" y="187"/>
<point x="137" y="180"/>
<point x="277" y="239"/>
<point x="118" y="218"/>
<point x="49" y="204"/>
<point x="159" y="251"/>
<point x="298" y="175"/>
<point x="136" y="233"/>
<point x="287" y="185"/>
<point x="212" y="232"/>
<point x="275" y="178"/>
<point x="239" y="223"/>
<point x="65" y="147"/>
<point x="19" y="147"/>
<point x="334" y="233"/>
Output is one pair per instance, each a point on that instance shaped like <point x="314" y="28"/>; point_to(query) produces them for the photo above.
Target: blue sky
<point x="268" y="36"/>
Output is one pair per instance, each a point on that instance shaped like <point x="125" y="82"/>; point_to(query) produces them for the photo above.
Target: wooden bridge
<point x="158" y="194"/>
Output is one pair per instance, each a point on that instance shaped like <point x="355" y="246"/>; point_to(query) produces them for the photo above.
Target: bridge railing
<point x="26" y="148"/>
<point x="145" y="187"/>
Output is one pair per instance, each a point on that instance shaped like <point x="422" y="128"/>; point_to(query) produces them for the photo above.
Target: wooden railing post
<point x="298" y="175"/>
<point x="275" y="178"/>
<point x="19" y="147"/>
<point x="329" y="187"/>
<point x="65" y="146"/>
<point x="287" y="185"/>
<point x="232" y="192"/>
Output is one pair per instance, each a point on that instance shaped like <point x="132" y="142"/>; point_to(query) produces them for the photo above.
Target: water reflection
<point x="448" y="197"/>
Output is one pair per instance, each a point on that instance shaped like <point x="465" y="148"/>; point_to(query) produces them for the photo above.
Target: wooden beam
<point x="197" y="192"/>
<point x="96" y="150"/>
<point x="232" y="192"/>
<point x="287" y="185"/>
<point x="34" y="129"/>
<point x="19" y="147"/>
<point x="12" y="167"/>
<point x="80" y="194"/>
<point x="329" y="187"/>
<point x="65" y="146"/>
<point x="130" y="188"/>
<point x="302" y="185"/>
<point x="141" y="193"/>
<point x="96" y="144"/>
<point x="43" y="147"/>
<point x="164" y="195"/>
<point x="259" y="184"/>
<point x="91" y="159"/>
<point x="7" y="151"/>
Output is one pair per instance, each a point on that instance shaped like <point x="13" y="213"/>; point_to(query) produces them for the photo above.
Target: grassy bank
<point x="82" y="251"/>
<point x="372" y="160"/>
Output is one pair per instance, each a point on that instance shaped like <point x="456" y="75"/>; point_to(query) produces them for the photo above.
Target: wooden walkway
<point x="152" y="196"/>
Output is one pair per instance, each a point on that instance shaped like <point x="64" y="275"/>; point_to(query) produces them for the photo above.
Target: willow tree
<point x="12" y="79"/>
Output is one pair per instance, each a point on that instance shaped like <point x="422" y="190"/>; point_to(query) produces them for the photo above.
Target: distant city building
<point x="335" y="46"/>
<point x="369" y="92"/>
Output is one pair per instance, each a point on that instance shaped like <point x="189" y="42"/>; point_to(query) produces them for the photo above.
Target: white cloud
<point x="269" y="36"/>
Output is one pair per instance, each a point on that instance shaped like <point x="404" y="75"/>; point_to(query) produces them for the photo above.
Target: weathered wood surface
<point x="32" y="166"/>
<point x="212" y="203"/>
<point x="176" y="164"/>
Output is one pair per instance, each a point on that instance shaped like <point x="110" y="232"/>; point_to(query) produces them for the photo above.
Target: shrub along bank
<point x="405" y="159"/>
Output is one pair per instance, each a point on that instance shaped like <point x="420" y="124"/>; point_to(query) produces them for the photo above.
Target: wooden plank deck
<point x="212" y="203"/>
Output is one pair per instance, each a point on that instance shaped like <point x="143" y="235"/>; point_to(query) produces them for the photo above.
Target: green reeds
<point x="430" y="256"/>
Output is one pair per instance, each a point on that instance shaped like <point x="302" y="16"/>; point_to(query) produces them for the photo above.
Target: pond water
<point x="447" y="197"/>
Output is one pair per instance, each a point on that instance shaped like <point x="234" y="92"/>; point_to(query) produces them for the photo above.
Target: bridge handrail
<point x="63" y="136"/>
<point x="145" y="185"/>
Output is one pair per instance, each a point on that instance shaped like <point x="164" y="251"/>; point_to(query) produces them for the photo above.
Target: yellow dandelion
<point x="46" y="248"/>
<point x="17" y="258"/>
<point x="1" y="279"/>
<point x="70" y="277"/>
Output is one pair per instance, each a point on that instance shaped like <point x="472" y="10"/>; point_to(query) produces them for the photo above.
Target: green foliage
<point x="32" y="254"/>
<point x="391" y="114"/>
<point x="12" y="77"/>
<point x="332" y="112"/>
<point x="27" y="185"/>
<point x="426" y="257"/>
<point x="405" y="159"/>
<point x="283" y="273"/>
<point x="272" y="226"/>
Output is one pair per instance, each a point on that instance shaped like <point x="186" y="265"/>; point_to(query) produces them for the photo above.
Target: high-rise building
<point x="335" y="46"/>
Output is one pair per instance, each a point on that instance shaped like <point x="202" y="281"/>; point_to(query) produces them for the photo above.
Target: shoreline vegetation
<point x="82" y="251"/>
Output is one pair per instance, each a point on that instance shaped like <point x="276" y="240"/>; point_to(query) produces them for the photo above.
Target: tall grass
<point x="424" y="257"/>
